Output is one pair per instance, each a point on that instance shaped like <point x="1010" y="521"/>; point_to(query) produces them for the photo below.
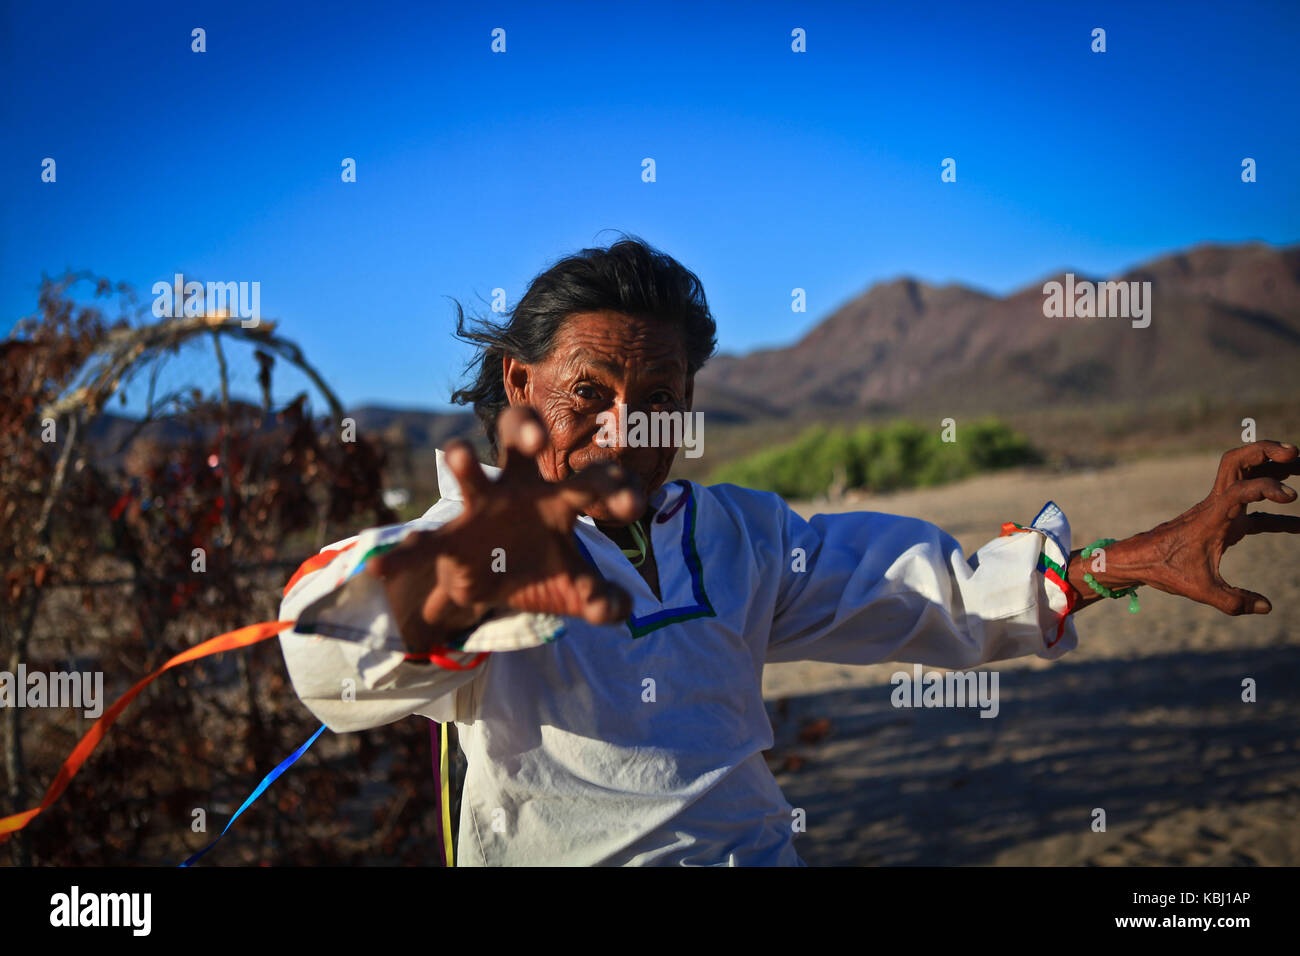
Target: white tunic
<point x="642" y="743"/>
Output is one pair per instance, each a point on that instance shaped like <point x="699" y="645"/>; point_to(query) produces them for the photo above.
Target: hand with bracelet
<point x="1182" y="556"/>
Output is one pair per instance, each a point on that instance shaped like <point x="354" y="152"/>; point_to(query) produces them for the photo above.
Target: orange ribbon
<point x="222" y="642"/>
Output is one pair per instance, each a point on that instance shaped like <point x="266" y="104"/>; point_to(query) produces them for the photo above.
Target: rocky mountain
<point x="1225" y="320"/>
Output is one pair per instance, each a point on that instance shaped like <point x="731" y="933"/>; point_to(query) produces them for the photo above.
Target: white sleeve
<point x="345" y="655"/>
<point x="878" y="587"/>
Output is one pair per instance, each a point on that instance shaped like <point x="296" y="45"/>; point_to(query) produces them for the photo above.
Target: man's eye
<point x="662" y="397"/>
<point x="586" y="391"/>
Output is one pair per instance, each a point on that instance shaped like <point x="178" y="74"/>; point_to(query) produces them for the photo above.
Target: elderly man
<point x="637" y="738"/>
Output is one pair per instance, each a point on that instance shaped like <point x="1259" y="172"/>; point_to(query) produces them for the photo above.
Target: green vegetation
<point x="899" y="455"/>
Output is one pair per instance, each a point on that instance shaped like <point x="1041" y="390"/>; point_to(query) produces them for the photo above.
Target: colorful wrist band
<point x="1129" y="592"/>
<point x="437" y="655"/>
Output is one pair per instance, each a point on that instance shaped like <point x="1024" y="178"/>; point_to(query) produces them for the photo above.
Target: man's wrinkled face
<point x="600" y="360"/>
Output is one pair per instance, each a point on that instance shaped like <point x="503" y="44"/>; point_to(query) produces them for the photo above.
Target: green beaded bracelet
<point x="1128" y="592"/>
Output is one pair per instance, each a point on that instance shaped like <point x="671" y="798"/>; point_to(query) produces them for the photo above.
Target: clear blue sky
<point x="775" y="169"/>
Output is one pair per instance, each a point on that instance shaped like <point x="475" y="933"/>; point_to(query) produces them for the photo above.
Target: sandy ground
<point x="1143" y="720"/>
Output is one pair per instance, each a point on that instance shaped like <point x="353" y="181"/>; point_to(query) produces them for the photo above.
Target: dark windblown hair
<point x="629" y="276"/>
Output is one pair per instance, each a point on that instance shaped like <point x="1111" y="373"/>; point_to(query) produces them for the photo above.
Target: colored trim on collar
<point x="641" y="626"/>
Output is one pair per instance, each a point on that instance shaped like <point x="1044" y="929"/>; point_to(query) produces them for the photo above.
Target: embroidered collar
<point x="677" y="501"/>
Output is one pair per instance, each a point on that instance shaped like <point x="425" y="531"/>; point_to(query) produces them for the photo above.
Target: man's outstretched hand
<point x="1182" y="556"/>
<point x="443" y="581"/>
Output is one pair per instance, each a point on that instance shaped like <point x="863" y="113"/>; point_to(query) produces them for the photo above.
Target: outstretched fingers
<point x="600" y="601"/>
<point x="608" y="483"/>
<point x="464" y="464"/>
<point x="520" y="436"/>
<point x="1269" y="459"/>
<point x="1260" y="489"/>
<point x="573" y="589"/>
<point x="1237" y="601"/>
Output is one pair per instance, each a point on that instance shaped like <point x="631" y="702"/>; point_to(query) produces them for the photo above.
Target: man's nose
<point x="613" y="426"/>
<point x="623" y="406"/>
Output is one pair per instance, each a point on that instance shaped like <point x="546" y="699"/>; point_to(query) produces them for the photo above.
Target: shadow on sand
<point x="1141" y="739"/>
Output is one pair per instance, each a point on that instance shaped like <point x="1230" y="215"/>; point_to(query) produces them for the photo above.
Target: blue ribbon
<point x="261" y="787"/>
